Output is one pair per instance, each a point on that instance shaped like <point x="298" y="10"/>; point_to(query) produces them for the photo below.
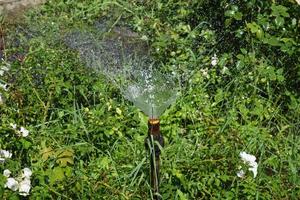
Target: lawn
<point x="67" y="131"/>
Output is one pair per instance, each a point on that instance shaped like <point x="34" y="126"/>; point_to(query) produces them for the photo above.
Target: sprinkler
<point x="153" y="143"/>
<point x="133" y="71"/>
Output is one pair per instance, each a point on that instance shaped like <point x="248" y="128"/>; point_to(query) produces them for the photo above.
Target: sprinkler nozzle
<point x="154" y="132"/>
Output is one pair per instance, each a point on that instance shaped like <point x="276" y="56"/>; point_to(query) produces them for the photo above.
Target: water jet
<point x="125" y="60"/>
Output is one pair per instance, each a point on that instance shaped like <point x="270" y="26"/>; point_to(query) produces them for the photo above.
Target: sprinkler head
<point x="153" y="126"/>
<point x="151" y="141"/>
<point x="154" y="133"/>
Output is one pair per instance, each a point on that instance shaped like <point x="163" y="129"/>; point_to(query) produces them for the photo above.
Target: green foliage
<point x="87" y="142"/>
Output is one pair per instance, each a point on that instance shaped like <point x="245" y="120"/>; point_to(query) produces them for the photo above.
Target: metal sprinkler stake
<point x="151" y="141"/>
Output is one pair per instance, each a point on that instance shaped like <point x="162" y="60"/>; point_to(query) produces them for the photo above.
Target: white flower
<point x="5" y="154"/>
<point x="3" y="69"/>
<point x="241" y="173"/>
<point x="4" y="86"/>
<point x="253" y="168"/>
<point x="250" y="160"/>
<point x="26" y="173"/>
<point x="1" y="99"/>
<point x="214" y="60"/>
<point x="14" y="126"/>
<point x="24" y="132"/>
<point x="24" y="187"/>
<point x="247" y="158"/>
<point x="12" y="184"/>
<point x="6" y="173"/>
<point x="204" y="72"/>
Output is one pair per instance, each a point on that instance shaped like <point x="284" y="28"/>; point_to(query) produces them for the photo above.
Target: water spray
<point x="125" y="61"/>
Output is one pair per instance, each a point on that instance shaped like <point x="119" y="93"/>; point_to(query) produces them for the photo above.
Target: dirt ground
<point x="11" y="9"/>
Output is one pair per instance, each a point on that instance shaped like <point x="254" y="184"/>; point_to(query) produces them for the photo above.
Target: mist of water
<point x="124" y="59"/>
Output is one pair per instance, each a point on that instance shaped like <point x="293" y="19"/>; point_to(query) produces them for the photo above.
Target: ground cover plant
<point x="233" y="133"/>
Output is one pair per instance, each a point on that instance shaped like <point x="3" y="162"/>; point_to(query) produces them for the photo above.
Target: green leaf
<point x="238" y="16"/>
<point x="279" y="21"/>
<point x="180" y="177"/>
<point x="228" y="22"/>
<point x="65" y="157"/>
<point x="105" y="163"/>
<point x="219" y="96"/>
<point x="264" y="21"/>
<point x="240" y="64"/>
<point x="235" y="8"/>
<point x="243" y="110"/>
<point x="273" y="41"/>
<point x="255" y="28"/>
<point x="46" y="153"/>
<point x="233" y="13"/>
<point x="294" y="22"/>
<point x="181" y="195"/>
<point x="279" y="74"/>
<point x="229" y="13"/>
<point x="279" y="11"/>
<point x="289" y="41"/>
<point x="68" y="171"/>
<point x="26" y="144"/>
<point x="118" y="111"/>
<point x="57" y="174"/>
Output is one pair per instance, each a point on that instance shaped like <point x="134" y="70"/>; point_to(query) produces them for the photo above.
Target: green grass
<point x="87" y="142"/>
